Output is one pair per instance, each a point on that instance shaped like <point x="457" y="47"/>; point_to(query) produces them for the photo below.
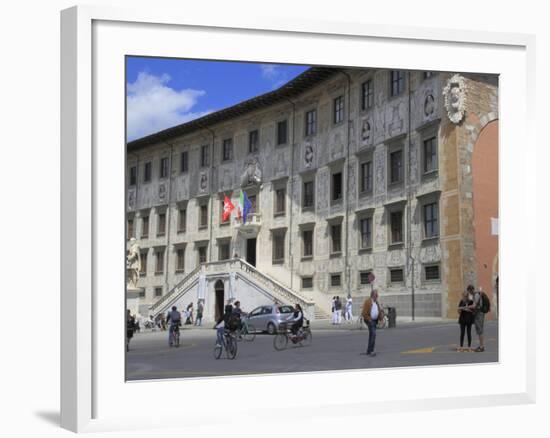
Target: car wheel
<point x="271" y="329"/>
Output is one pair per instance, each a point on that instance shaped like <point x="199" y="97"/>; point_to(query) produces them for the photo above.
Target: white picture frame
<point x="93" y="42"/>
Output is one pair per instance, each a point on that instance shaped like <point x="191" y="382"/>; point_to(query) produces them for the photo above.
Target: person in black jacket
<point x="465" y="319"/>
<point x="130" y="323"/>
<point x="222" y="323"/>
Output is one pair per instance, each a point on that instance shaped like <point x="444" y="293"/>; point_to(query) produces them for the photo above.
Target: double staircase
<point x="272" y="288"/>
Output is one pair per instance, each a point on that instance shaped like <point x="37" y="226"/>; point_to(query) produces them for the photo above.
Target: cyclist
<point x="298" y="319"/>
<point x="240" y="313"/>
<point x="224" y="323"/>
<point x="174" y="317"/>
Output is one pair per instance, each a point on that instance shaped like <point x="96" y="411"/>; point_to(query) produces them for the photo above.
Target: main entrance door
<point x="251" y="251"/>
<point x="219" y="290"/>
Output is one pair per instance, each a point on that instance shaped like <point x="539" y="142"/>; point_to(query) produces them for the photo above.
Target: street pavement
<point x="333" y="348"/>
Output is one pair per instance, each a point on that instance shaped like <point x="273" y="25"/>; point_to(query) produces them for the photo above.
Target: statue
<point x="308" y="155"/>
<point x="455" y="98"/>
<point x="252" y="174"/>
<point x="133" y="263"/>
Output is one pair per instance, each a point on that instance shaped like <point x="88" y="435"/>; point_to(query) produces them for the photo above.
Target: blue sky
<point x="166" y="92"/>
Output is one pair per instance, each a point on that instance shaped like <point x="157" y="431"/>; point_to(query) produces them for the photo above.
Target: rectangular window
<point x="143" y="265"/>
<point x="430" y="155"/>
<point x="163" y="170"/>
<point x="364" y="277"/>
<point x="397" y="82"/>
<point x="223" y="251"/>
<point x="205" y="158"/>
<point x="282" y="132"/>
<point x="130" y="229"/>
<point x="147" y="172"/>
<point x="158" y="291"/>
<point x="180" y="260"/>
<point x="159" y="256"/>
<point x="133" y="175"/>
<point x="227" y="149"/>
<point x="280" y="204"/>
<point x="307" y="238"/>
<point x="278" y="247"/>
<point x="184" y="162"/>
<point x="202" y="254"/>
<point x="365" y="228"/>
<point x="336" y="235"/>
<point x="203" y="216"/>
<point x="337" y="186"/>
<point x="428" y="74"/>
<point x="161" y="226"/>
<point x="254" y="203"/>
<point x="311" y="122"/>
<point x="367" y="95"/>
<point x="182" y="220"/>
<point x="253" y="141"/>
<point x="309" y="194"/>
<point x="335" y="280"/>
<point x="396" y="275"/>
<point x="431" y="272"/>
<point x="338" y="109"/>
<point x="142" y="293"/>
<point x="307" y="282"/>
<point x="431" y="220"/>
<point x="396" y="223"/>
<point x="396" y="166"/>
<point x="144" y="227"/>
<point x="366" y="177"/>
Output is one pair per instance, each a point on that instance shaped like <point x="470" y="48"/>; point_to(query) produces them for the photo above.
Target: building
<point x="355" y="176"/>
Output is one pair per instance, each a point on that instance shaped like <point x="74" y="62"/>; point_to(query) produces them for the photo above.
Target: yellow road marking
<point x="420" y="351"/>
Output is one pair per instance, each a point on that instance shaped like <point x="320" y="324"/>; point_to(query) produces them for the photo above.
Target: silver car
<point x="268" y="318"/>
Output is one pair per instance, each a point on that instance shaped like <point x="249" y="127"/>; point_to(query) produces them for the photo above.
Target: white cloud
<point x="153" y="106"/>
<point x="274" y="74"/>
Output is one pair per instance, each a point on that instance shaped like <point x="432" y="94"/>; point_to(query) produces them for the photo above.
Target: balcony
<point x="252" y="225"/>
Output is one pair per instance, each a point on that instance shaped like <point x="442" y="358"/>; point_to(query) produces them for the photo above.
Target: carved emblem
<point x="203" y="181"/>
<point x="131" y="200"/>
<point x="455" y="98"/>
<point x="308" y="156"/>
<point x="366" y="131"/>
<point x="429" y="105"/>
<point x="252" y="174"/>
<point x="162" y="192"/>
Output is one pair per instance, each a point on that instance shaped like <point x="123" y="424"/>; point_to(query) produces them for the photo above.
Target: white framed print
<point x="331" y="184"/>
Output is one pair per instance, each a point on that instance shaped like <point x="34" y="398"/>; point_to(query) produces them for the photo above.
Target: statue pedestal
<point x="132" y="298"/>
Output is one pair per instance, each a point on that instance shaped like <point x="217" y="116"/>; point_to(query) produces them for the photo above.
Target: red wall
<point x="485" y="197"/>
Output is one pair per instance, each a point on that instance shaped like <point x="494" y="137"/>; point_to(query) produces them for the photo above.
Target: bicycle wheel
<point x="231" y="347"/>
<point x="280" y="341"/>
<point x="250" y="333"/>
<point x="177" y="339"/>
<point x="218" y="351"/>
<point x="307" y="338"/>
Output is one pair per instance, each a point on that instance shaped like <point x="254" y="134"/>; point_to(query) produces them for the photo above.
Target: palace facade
<point x="358" y="178"/>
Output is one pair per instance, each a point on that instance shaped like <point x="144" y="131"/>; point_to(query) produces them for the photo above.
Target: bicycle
<point x="302" y="337"/>
<point x="229" y="344"/>
<point x="247" y="332"/>
<point x="174" y="336"/>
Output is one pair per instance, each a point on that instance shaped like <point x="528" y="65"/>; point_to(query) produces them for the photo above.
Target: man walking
<point x="372" y="313"/>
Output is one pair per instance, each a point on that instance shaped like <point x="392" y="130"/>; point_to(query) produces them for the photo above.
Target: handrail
<point x="275" y="286"/>
<point x="174" y="290"/>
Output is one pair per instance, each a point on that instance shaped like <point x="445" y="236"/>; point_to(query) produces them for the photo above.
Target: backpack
<point x="485" y="303"/>
<point x="233" y="322"/>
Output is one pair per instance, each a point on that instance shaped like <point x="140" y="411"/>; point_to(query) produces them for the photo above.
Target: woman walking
<point x="465" y="319"/>
<point x="189" y="314"/>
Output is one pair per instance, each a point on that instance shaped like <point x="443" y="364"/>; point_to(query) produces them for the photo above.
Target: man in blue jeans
<point x="372" y="313"/>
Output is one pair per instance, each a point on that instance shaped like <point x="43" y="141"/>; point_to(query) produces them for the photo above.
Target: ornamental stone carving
<point x="133" y="263"/>
<point x="366" y="132"/>
<point x="455" y="98"/>
<point x="162" y="192"/>
<point x="429" y="105"/>
<point x="252" y="174"/>
<point x="131" y="199"/>
<point x="308" y="156"/>
<point x="203" y="182"/>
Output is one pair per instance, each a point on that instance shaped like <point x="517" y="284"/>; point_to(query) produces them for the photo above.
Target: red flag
<point x="228" y="207"/>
